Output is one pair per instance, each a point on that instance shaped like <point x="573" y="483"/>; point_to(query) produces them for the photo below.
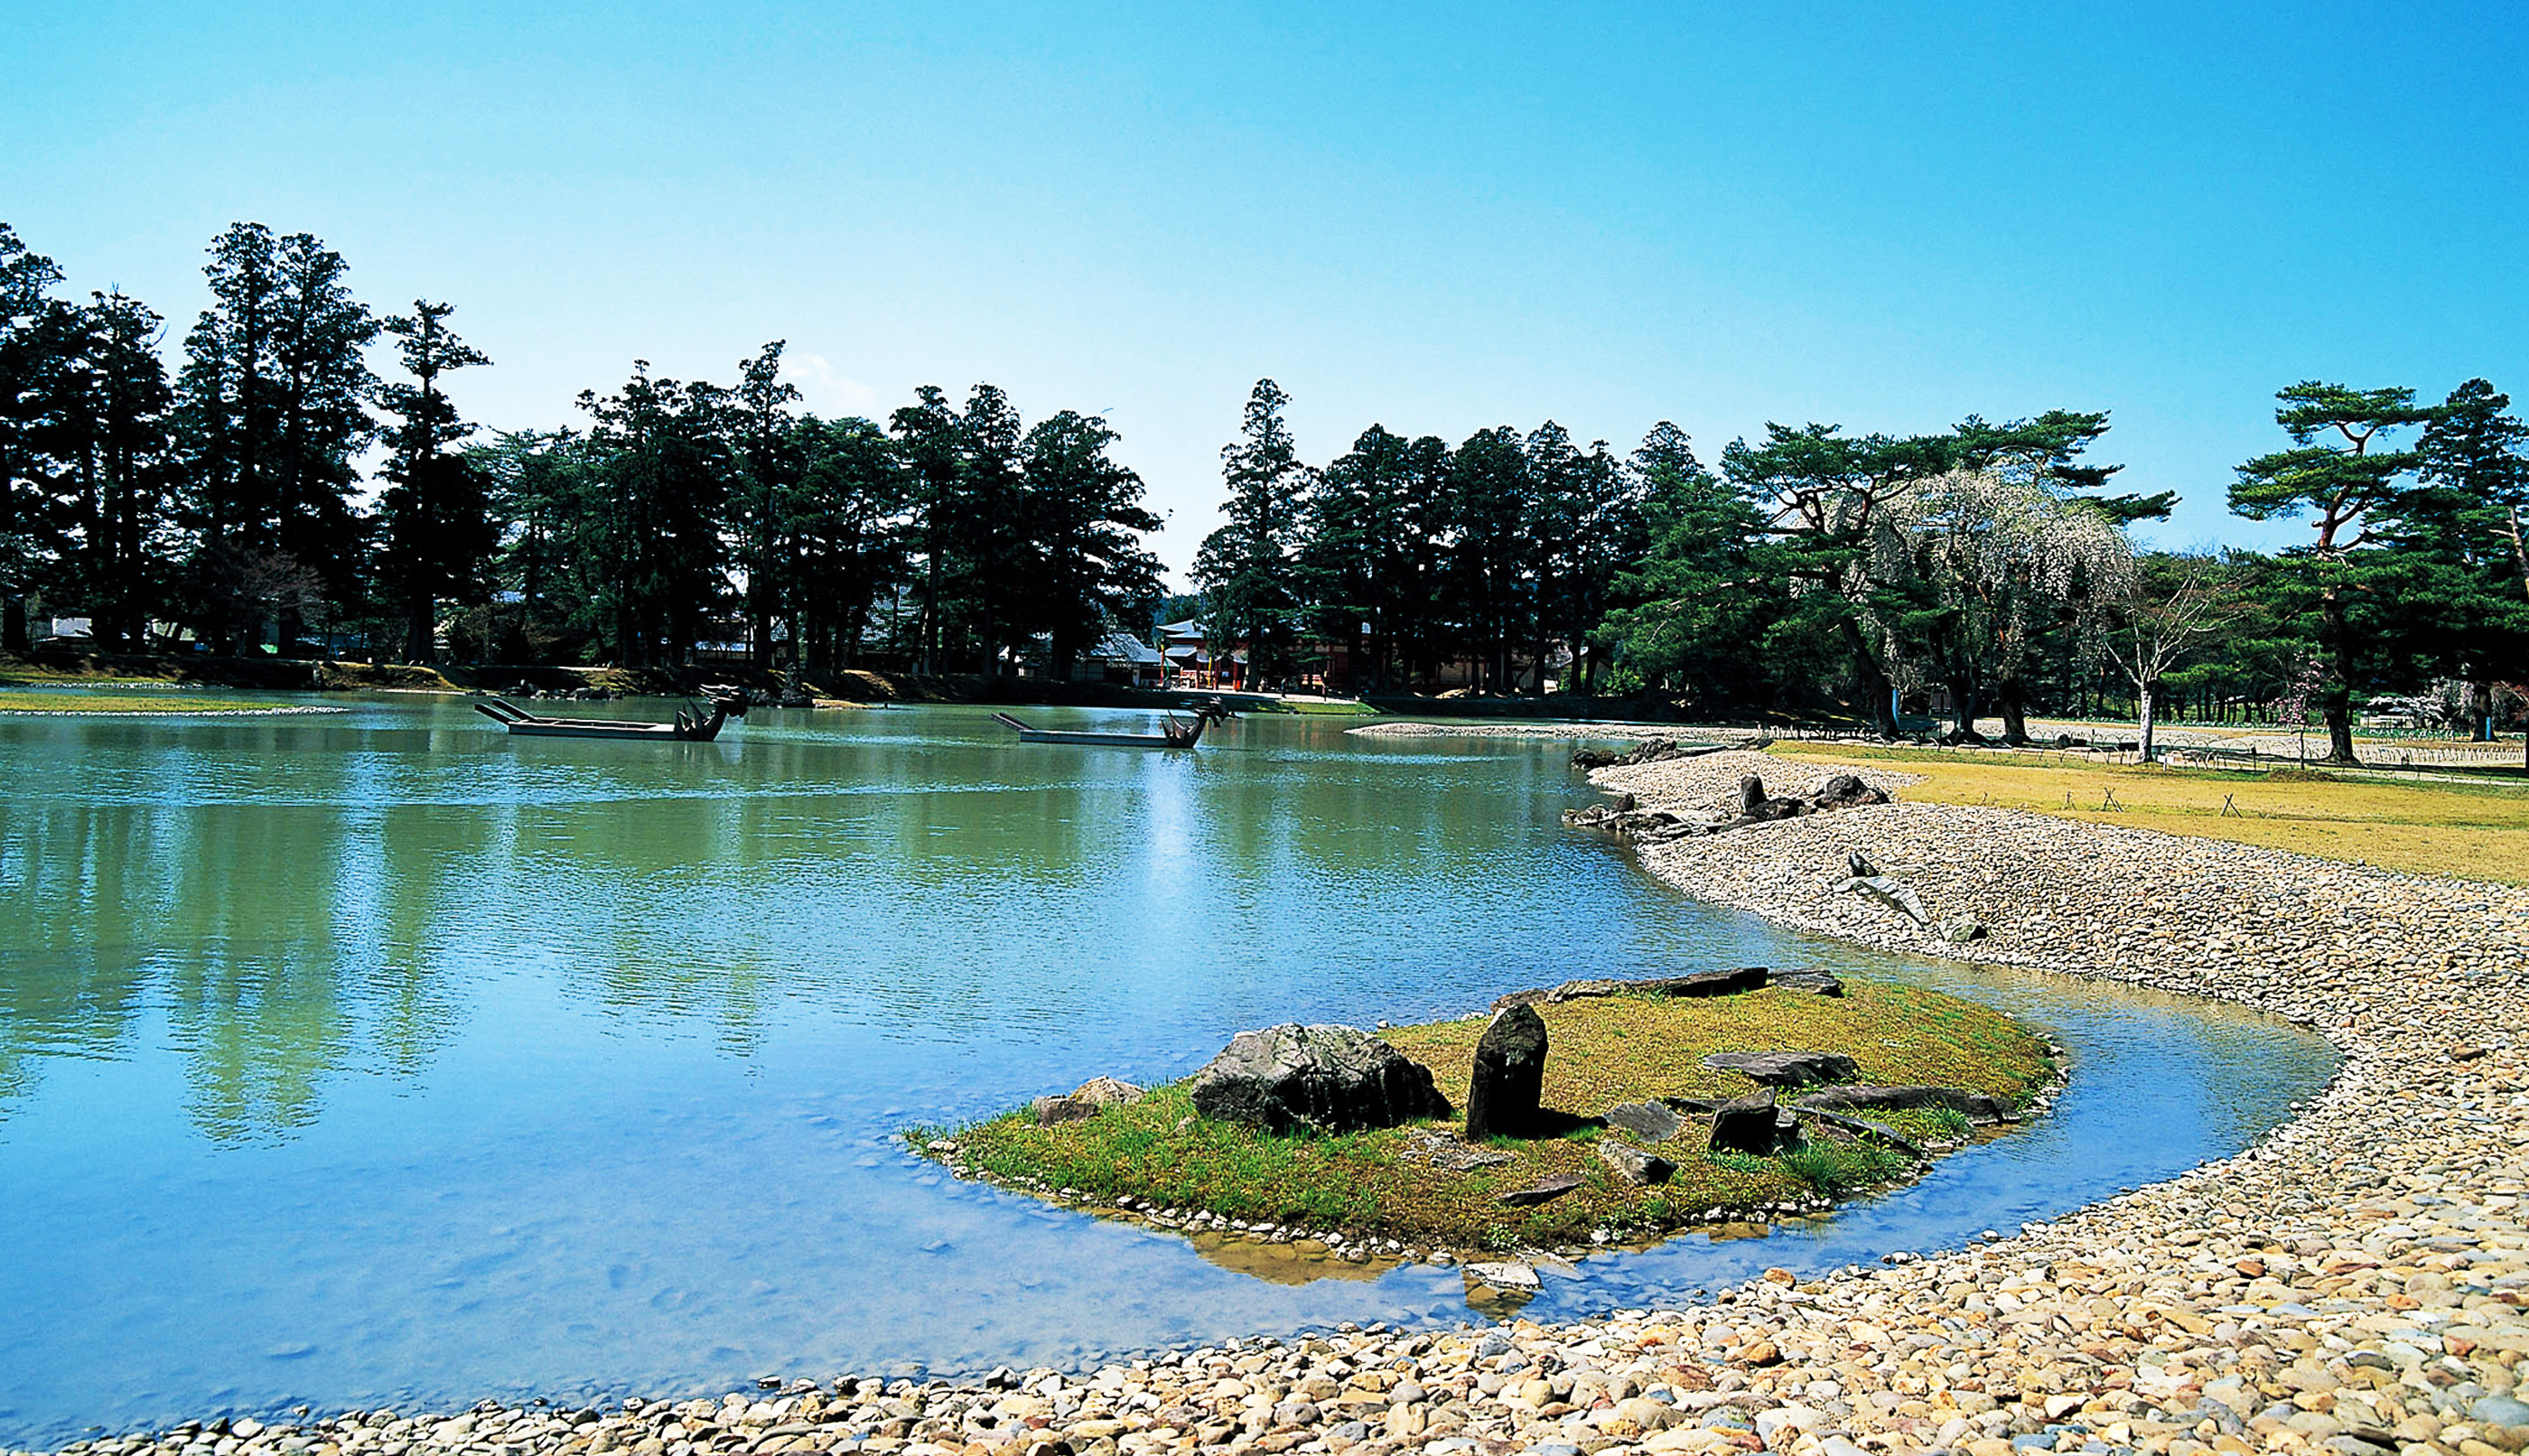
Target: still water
<point x="379" y="1058"/>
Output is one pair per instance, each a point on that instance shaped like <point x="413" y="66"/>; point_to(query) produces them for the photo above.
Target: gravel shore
<point x="2356" y="1283"/>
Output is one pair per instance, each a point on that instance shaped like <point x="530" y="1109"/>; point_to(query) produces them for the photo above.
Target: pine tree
<point x="2342" y="485"/>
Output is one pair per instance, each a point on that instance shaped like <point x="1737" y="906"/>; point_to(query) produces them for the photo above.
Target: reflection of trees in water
<point x="73" y="983"/>
<point x="282" y="944"/>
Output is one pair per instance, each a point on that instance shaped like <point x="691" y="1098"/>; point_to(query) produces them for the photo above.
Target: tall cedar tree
<point x="271" y="415"/>
<point x="27" y="281"/>
<point x="662" y="485"/>
<point x="769" y="464"/>
<point x="2343" y="484"/>
<point x="1087" y="518"/>
<point x="1491" y="492"/>
<point x="436" y="518"/>
<point x="1244" y="567"/>
<point x="840" y="534"/>
<point x="121" y="472"/>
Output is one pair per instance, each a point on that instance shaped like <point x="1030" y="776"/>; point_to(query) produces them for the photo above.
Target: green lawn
<point x="1603" y="1051"/>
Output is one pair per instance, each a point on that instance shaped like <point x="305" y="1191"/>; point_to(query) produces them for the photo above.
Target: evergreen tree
<point x="770" y="466"/>
<point x="1245" y="566"/>
<point x="842" y="533"/>
<point x="1706" y="590"/>
<point x="1085" y="517"/>
<point x="439" y="531"/>
<point x="124" y="473"/>
<point x="660" y="488"/>
<point x="1829" y="494"/>
<point x="30" y="347"/>
<point x="271" y="417"/>
<point x="2466" y="519"/>
<point x="2343" y="484"/>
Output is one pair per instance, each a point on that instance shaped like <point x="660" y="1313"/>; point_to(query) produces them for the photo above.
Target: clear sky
<point x="1436" y="217"/>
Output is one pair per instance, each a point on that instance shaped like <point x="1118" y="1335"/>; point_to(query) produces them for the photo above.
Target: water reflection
<point x="384" y="1059"/>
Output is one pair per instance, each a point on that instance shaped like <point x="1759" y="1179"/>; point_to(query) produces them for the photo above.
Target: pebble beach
<point x="2357" y="1282"/>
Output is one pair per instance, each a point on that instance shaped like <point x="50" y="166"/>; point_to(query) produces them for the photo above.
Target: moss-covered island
<point x="1419" y="1188"/>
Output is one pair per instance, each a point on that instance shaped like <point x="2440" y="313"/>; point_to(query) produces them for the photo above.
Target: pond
<point x="379" y="1058"/>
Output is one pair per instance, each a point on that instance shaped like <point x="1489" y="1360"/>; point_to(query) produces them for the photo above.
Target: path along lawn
<point x="2472" y="831"/>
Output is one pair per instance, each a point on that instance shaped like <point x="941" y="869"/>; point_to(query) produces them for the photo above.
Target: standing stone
<point x="1751" y="796"/>
<point x="1510" y="1074"/>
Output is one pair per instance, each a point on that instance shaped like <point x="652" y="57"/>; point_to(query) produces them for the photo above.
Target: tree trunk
<point x="1872" y="683"/>
<point x="2336" y="697"/>
<point x="421" y="635"/>
<point x="2015" y="711"/>
<point x="2145" y="701"/>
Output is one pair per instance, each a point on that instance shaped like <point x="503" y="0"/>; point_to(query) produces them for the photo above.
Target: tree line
<point x="1815" y="569"/>
<point x="272" y="488"/>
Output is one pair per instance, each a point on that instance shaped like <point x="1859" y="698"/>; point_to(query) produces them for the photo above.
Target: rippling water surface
<point x="380" y="1059"/>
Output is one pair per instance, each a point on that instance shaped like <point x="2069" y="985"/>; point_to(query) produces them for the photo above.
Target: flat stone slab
<point x="1652" y="1123"/>
<point x="1694" y="983"/>
<point x="1786" y="1068"/>
<point x="1507" y="1275"/>
<point x="1544" y="1193"/>
<point x="1976" y="1107"/>
<point x="1444" y="1151"/>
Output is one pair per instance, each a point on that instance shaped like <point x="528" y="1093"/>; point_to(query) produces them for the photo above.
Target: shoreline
<point x="2356" y="1281"/>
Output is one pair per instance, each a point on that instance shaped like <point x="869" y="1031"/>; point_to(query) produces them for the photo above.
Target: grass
<point x="1603" y="1051"/>
<point x="2472" y="831"/>
<point x="83" y="704"/>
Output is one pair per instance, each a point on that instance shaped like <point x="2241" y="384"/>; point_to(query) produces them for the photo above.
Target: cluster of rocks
<point x="2356" y="1283"/>
<point x="1627" y="817"/>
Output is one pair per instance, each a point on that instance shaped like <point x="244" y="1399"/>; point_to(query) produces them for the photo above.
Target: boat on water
<point x="1173" y="733"/>
<point x="700" y="726"/>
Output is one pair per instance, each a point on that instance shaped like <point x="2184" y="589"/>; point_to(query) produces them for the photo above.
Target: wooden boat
<point x="1174" y="734"/>
<point x="697" y="727"/>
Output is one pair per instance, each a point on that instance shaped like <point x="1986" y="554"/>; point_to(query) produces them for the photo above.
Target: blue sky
<point x="1436" y="217"/>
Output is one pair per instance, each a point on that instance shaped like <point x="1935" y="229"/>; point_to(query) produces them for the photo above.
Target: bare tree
<point x="2153" y="623"/>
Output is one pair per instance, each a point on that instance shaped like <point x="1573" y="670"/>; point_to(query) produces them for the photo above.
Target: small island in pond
<point x="1604" y="1111"/>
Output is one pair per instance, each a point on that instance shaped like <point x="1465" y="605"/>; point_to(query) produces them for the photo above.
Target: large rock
<point x="1844" y="791"/>
<point x="1753" y="1124"/>
<point x="1510" y="1075"/>
<point x="1332" y="1078"/>
<point x="1786" y="1068"/>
